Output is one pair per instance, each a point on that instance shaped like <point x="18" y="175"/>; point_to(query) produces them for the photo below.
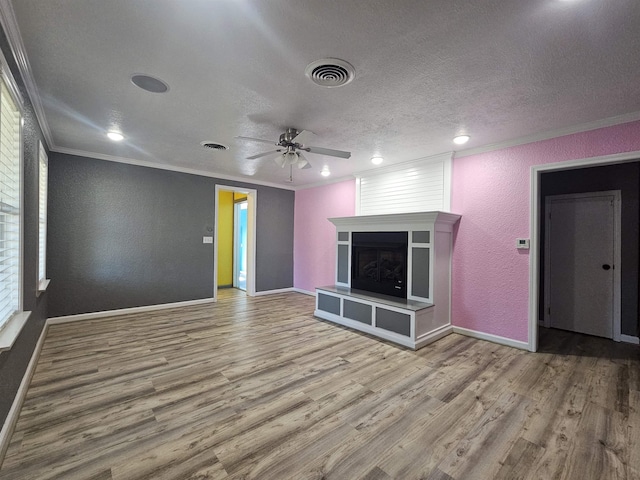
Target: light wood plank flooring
<point x="258" y="388"/>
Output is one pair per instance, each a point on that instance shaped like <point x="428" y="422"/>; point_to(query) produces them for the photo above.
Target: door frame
<point x="235" y="238"/>
<point x="617" y="264"/>
<point x="252" y="207"/>
<point x="534" y="225"/>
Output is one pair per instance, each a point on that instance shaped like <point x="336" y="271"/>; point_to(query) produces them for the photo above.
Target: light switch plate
<point x="207" y="239"/>
<point x="522" y="243"/>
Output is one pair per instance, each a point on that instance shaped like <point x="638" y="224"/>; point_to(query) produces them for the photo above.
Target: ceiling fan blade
<point x="304" y="137"/>
<point x="328" y="151"/>
<point x="256" y="140"/>
<point x="303" y="163"/>
<point x="273" y="152"/>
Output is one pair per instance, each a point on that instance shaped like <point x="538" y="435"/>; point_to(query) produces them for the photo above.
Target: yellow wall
<point x="225" y="239"/>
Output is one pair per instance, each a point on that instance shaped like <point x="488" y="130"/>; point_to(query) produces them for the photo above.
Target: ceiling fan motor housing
<point x="286" y="138"/>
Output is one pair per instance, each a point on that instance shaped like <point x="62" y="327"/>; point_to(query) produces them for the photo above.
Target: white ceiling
<point x="426" y="70"/>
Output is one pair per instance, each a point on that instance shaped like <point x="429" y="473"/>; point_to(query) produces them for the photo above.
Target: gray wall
<point x="124" y="236"/>
<point x="13" y="363"/>
<point x="624" y="177"/>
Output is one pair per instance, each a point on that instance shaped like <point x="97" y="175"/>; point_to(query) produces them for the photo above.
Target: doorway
<point x="536" y="219"/>
<point x="234" y="241"/>
<point x="582" y="263"/>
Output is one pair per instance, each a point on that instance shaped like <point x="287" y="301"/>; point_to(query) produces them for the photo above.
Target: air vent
<point x="330" y="72"/>
<point x="214" y="145"/>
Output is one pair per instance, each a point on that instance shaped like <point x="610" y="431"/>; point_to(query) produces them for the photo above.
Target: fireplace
<point x="379" y="262"/>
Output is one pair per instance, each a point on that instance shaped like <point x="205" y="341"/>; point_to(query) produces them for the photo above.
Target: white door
<point x="580" y="254"/>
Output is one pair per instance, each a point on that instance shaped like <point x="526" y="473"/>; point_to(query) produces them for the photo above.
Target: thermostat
<point x="522" y="243"/>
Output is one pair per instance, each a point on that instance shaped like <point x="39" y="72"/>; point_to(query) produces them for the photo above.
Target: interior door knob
<point x="606" y="266"/>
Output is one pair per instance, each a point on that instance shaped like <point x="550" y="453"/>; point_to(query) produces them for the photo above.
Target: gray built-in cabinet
<point x="421" y="318"/>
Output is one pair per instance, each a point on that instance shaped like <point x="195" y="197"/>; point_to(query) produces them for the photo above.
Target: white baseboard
<point x="492" y="338"/>
<point x="432" y="336"/>
<point x="273" y="292"/>
<point x="125" y="311"/>
<point x="304" y="292"/>
<point x="16" y="406"/>
<point x="629" y="339"/>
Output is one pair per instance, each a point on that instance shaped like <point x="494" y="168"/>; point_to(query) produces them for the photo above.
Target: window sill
<point x="42" y="286"/>
<point x="12" y="329"/>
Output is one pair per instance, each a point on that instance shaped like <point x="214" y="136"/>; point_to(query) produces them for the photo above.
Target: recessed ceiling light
<point x="377" y="160"/>
<point x="325" y="171"/>
<point x="115" y="136"/>
<point x="149" y="83"/>
<point x="461" y="139"/>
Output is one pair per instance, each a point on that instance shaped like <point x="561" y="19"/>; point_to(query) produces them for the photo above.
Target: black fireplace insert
<point x="379" y="262"/>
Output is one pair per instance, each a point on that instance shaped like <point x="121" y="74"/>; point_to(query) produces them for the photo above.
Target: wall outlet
<point x="207" y="239"/>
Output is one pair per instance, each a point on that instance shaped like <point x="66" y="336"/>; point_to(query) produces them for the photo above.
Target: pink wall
<point x="314" y="239"/>
<point x="490" y="278"/>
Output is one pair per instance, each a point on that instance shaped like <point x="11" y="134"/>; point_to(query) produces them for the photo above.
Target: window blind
<point x="42" y="214"/>
<point x="10" y="155"/>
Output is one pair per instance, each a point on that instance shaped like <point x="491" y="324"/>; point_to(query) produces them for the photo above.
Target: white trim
<point x="433" y="335"/>
<point x="10" y="331"/>
<point x="125" y="311"/>
<point x="509" y="342"/>
<point x="629" y="339"/>
<point x="43" y="285"/>
<point x="439" y="221"/>
<point x="43" y="164"/>
<point x="16" y="406"/>
<point x="172" y="168"/>
<point x="276" y="291"/>
<point x="358" y="191"/>
<point x="561" y="132"/>
<point x="447" y="166"/>
<point x="617" y="236"/>
<point x="252" y="208"/>
<point x="10" y="26"/>
<point x="304" y="292"/>
<point x="534" y="270"/>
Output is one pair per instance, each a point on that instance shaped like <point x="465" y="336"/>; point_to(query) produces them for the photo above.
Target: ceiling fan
<point x="292" y="143"/>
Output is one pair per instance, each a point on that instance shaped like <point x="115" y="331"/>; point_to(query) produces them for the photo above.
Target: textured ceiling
<point x="498" y="70"/>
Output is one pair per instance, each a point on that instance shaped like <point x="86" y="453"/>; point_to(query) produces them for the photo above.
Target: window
<point x="11" y="317"/>
<point x="43" y="171"/>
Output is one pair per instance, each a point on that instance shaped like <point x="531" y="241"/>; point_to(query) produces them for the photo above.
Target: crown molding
<point x="171" y="168"/>
<point x="10" y="26"/>
<point x="537" y="137"/>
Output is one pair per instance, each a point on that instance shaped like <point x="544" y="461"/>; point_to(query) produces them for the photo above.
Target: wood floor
<point x="258" y="388"/>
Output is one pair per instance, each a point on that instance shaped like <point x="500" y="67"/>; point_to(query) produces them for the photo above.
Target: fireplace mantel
<point x="425" y="317"/>
<point x="396" y="222"/>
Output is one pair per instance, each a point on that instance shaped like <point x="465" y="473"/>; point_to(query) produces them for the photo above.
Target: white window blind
<point x="10" y="162"/>
<point x="42" y="215"/>
<point x="421" y="185"/>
